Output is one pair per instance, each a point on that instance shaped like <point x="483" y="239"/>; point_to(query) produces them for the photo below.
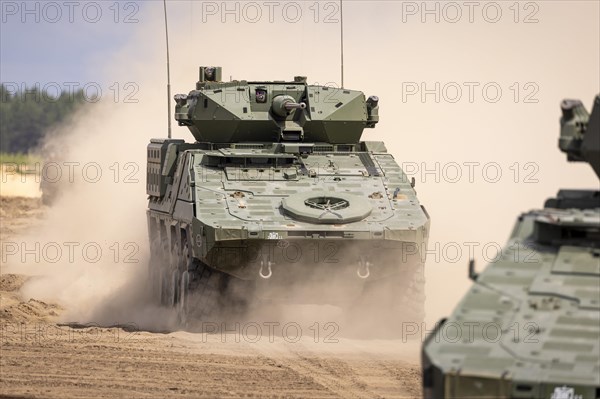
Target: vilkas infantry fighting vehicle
<point x="529" y="327"/>
<point x="278" y="192"/>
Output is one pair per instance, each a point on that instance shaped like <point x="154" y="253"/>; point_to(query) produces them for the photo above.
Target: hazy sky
<point x="44" y="41"/>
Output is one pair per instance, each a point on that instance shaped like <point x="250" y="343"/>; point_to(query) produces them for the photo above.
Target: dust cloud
<point x="90" y="251"/>
<point x="91" y="247"/>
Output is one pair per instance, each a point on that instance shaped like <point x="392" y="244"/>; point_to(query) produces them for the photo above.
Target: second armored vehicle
<point x="277" y="196"/>
<point x="529" y="327"/>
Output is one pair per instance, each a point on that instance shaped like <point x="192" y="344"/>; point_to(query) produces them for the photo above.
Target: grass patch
<point x="24" y="162"/>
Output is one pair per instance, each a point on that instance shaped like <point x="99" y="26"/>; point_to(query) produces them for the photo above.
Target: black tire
<point x="199" y="295"/>
<point x="187" y="267"/>
<point x="165" y="288"/>
<point x="214" y="296"/>
<point x="175" y="288"/>
<point x="202" y="293"/>
<point x="154" y="271"/>
<point x="183" y="303"/>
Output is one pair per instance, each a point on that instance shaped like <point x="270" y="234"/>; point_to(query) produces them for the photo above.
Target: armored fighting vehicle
<point x="278" y="192"/>
<point x="529" y="327"/>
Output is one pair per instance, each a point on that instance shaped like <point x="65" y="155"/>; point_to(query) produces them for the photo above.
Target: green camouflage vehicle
<point x="529" y="327"/>
<point x="278" y="192"/>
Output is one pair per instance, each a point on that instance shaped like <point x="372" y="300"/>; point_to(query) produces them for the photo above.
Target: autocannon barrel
<point x="282" y="105"/>
<point x="290" y="105"/>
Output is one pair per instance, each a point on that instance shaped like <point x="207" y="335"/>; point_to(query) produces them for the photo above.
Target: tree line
<point x="26" y="115"/>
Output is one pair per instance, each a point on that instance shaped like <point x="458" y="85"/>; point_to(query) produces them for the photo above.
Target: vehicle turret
<point x="243" y="111"/>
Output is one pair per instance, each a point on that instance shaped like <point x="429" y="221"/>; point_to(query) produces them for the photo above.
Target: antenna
<point x="342" y="41"/>
<point x="168" y="70"/>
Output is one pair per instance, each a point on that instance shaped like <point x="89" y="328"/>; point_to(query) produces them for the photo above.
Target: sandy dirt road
<point x="42" y="359"/>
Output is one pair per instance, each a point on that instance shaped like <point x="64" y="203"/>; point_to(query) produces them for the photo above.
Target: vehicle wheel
<point x="165" y="287"/>
<point x="154" y="270"/>
<point x="175" y="258"/>
<point x="175" y="285"/>
<point x="187" y="260"/>
<point x="183" y="303"/>
<point x="205" y="292"/>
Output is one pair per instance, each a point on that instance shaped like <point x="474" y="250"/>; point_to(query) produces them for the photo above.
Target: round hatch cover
<point x="326" y="207"/>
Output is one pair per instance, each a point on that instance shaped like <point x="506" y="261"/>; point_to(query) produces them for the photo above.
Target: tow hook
<point x="268" y="273"/>
<point x="363" y="268"/>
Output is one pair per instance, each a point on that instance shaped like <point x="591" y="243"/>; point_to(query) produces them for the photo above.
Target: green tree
<point x="26" y="116"/>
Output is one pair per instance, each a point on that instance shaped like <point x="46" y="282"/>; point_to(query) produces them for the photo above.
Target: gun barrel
<point x="282" y="105"/>
<point x="289" y="105"/>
